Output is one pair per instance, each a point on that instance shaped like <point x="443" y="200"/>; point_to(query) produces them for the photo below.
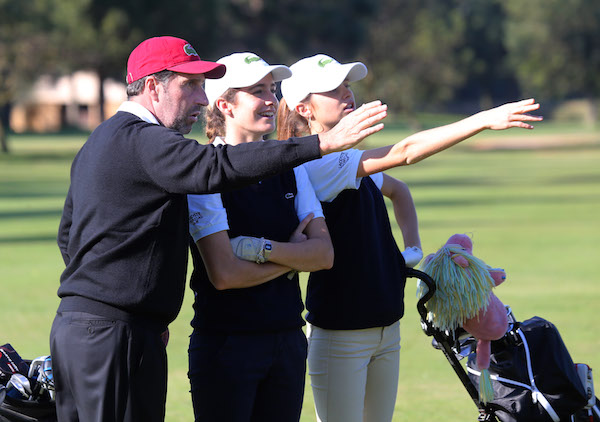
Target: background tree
<point x="57" y="37"/>
<point x="287" y="30"/>
<point x="141" y="19"/>
<point x="422" y="54"/>
<point x="436" y="53"/>
<point x="489" y="80"/>
<point x="554" y="47"/>
<point x="24" y="49"/>
<point x="95" y="37"/>
<point x="414" y="53"/>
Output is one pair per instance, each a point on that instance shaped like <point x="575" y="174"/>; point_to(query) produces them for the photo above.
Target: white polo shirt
<point x="336" y="172"/>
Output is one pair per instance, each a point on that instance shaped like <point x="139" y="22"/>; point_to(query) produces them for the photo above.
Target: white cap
<point x="316" y="74"/>
<point x="243" y="69"/>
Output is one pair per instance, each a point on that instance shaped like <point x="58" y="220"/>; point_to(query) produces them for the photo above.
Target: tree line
<point x="421" y="54"/>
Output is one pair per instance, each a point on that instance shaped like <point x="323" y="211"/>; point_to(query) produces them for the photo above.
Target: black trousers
<point x="257" y="377"/>
<point x="107" y="369"/>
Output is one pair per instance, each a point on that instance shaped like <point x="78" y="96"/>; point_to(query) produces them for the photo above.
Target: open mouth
<point x="349" y="107"/>
<point x="195" y="114"/>
<point x="267" y="114"/>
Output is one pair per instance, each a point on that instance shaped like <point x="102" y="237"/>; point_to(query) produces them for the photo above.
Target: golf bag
<point x="26" y="388"/>
<point x="533" y="376"/>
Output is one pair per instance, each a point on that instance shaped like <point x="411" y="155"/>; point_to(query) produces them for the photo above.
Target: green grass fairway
<point x="531" y="201"/>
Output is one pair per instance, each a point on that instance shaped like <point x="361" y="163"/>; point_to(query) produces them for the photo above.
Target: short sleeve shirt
<point x="336" y="172"/>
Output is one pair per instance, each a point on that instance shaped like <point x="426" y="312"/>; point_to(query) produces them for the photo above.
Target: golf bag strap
<point x="591" y="412"/>
<point x="536" y="395"/>
<point x="585" y="375"/>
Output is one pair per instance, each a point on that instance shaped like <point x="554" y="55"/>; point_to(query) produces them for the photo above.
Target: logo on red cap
<point x="189" y="50"/>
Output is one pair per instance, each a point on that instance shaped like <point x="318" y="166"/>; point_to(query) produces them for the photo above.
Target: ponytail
<point x="215" y="120"/>
<point x="289" y="123"/>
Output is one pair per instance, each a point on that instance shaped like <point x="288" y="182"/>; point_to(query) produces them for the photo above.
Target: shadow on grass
<point x="578" y="179"/>
<point x="27" y="214"/>
<point x="33" y="187"/>
<point x="453" y="181"/>
<point x="35" y="157"/>
<point x="506" y="200"/>
<point x="28" y="239"/>
<point x="58" y="193"/>
<point x="572" y="146"/>
<point x="461" y="182"/>
<point x="36" y="147"/>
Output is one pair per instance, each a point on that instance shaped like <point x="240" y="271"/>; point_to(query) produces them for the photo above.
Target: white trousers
<point x="354" y="373"/>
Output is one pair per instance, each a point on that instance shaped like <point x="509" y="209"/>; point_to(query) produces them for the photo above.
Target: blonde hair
<point x="290" y="123"/>
<point x="215" y="120"/>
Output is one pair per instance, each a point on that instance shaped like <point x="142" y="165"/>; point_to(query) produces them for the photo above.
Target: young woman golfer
<point x="354" y="308"/>
<point x="247" y="355"/>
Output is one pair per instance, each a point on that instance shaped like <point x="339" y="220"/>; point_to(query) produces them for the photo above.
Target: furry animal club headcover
<point x="464" y="298"/>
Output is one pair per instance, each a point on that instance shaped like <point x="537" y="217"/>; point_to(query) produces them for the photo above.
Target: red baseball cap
<point x="169" y="53"/>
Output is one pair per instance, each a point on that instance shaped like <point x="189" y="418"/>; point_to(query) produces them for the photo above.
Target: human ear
<point x="303" y="110"/>
<point x="224" y="106"/>
<point x="152" y="86"/>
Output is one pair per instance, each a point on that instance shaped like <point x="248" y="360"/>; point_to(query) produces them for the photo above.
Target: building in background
<point x="70" y="101"/>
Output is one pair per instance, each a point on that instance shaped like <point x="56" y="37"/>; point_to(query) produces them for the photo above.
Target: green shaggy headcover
<point x="460" y="292"/>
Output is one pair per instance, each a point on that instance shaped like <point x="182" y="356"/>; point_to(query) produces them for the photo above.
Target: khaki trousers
<point x="354" y="373"/>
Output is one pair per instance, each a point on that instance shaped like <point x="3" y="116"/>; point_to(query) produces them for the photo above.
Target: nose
<point x="271" y="99"/>
<point x="347" y="92"/>
<point x="201" y="97"/>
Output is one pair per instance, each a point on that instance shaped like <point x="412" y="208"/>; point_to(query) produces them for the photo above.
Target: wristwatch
<point x="263" y="254"/>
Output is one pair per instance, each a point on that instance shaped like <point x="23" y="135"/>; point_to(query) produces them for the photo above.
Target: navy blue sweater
<point x="261" y="210"/>
<point x="124" y="234"/>
<point x="365" y="287"/>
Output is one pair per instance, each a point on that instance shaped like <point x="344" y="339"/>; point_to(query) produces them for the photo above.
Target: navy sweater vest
<point x="264" y="210"/>
<point x="365" y="287"/>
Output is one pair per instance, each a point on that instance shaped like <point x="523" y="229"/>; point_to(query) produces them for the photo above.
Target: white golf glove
<point x="251" y="248"/>
<point x="412" y="256"/>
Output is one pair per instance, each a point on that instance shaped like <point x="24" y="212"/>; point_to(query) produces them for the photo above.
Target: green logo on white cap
<point x="250" y="59"/>
<point x="189" y="50"/>
<point x="324" y="62"/>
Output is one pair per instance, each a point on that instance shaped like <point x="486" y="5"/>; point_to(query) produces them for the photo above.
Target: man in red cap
<point x="124" y="234"/>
